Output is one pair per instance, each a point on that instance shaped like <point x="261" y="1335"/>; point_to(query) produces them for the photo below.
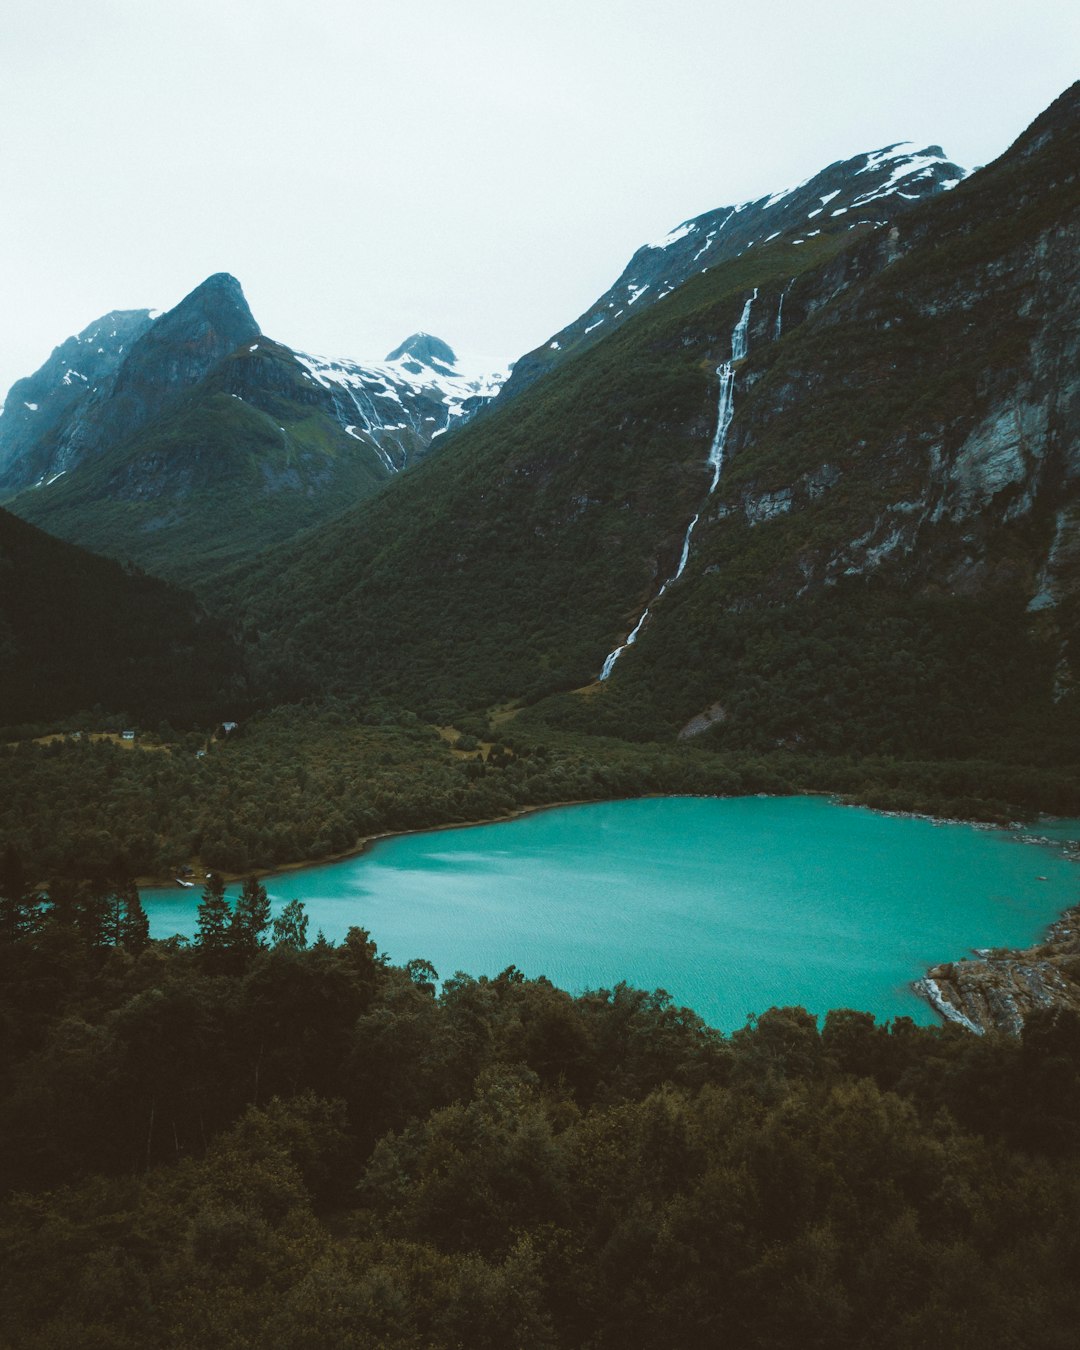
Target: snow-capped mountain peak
<point x="867" y="190"/>
<point x="401" y="404"/>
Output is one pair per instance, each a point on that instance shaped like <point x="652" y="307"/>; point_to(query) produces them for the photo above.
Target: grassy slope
<point x="500" y="566"/>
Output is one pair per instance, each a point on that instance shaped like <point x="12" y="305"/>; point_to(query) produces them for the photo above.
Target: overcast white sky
<point x="480" y="170"/>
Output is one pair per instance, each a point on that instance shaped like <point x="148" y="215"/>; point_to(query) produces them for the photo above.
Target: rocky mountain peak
<point x="425" y="349"/>
<point x="209" y="323"/>
<point x="864" y="192"/>
<point x="41" y="405"/>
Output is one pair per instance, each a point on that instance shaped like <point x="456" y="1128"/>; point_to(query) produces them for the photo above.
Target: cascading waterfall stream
<point x="725" y="411"/>
<point x="780" y="310"/>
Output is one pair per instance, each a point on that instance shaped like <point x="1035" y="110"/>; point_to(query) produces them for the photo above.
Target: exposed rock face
<point x="702" y="722"/>
<point x="158" y="361"/>
<point x="40" y="409"/>
<point x="979" y="364"/>
<point x="999" y="991"/>
<point x="178" y="351"/>
<point x="425" y="350"/>
<point x="185" y="344"/>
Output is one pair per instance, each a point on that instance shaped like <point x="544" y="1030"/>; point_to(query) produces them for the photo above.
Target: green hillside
<point x="77" y="631"/>
<point x="861" y="579"/>
<point x="500" y="566"/>
<point x="215" y="477"/>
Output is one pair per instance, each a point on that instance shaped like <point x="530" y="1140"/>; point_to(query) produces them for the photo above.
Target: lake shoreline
<point x="366" y="842"/>
<point x="992" y="994"/>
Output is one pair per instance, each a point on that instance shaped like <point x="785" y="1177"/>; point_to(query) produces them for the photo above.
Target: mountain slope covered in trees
<point x="77" y="630"/>
<point x="889" y="551"/>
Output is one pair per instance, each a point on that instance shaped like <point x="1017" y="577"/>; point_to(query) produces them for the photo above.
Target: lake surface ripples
<point x="730" y="904"/>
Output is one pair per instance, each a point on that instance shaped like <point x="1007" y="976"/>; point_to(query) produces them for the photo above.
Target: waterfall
<point x="780" y="310"/>
<point x="725" y="411"/>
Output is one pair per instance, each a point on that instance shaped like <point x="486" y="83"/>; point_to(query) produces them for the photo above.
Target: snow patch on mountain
<point x="866" y="190"/>
<point x="417" y="393"/>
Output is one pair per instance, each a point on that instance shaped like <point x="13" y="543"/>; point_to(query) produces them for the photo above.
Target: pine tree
<point x="134" y="926"/>
<point x="95" y="913"/>
<point x="111" y="928"/>
<point x="214" y="916"/>
<point x="251" y="919"/>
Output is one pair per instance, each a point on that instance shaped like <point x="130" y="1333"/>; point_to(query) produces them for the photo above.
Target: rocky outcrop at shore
<point x="1003" y="987"/>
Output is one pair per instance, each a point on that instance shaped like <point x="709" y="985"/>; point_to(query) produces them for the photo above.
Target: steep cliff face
<point x="173" y="354"/>
<point x="40" y="409"/>
<point x="957" y="388"/>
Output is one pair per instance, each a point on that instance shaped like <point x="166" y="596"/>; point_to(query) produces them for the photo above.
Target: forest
<point x="259" y="1137"/>
<point x="262" y="1138"/>
<point x="310" y="782"/>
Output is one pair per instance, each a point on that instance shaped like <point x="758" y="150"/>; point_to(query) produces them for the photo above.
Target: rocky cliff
<point x="1000" y="990"/>
<point x="41" y="409"/>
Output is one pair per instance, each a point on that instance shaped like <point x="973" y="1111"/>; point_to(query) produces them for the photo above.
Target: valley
<point x="540" y="677"/>
<point x="796" y="516"/>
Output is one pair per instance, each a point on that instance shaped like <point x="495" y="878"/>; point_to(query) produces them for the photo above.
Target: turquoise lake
<point x="730" y="904"/>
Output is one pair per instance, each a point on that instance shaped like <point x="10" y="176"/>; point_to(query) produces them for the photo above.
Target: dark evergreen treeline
<point x="306" y="783"/>
<point x="77" y="630"/>
<point x="258" y="1140"/>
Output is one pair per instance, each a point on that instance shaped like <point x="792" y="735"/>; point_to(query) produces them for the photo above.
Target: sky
<point x="477" y="170"/>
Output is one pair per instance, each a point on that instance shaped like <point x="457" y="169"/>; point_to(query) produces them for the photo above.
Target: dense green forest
<point x="304" y="783"/>
<point x="78" y="630"/>
<point x="265" y="1140"/>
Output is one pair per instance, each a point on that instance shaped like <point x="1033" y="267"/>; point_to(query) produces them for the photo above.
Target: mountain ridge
<point x="894" y="178"/>
<point x="200" y="404"/>
<point x="461" y="572"/>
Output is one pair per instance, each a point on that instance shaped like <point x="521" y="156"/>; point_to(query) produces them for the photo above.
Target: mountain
<point x="886" y="560"/>
<point x="400" y="407"/>
<point x="78" y="630"/>
<point x="197" y="440"/>
<point x="858" y="194"/>
<point x="40" y="409"/>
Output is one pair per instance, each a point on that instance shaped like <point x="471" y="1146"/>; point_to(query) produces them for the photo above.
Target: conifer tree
<point x="251" y="918"/>
<point x="134" y="925"/>
<point x="95" y="913"/>
<point x="214" y="916"/>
